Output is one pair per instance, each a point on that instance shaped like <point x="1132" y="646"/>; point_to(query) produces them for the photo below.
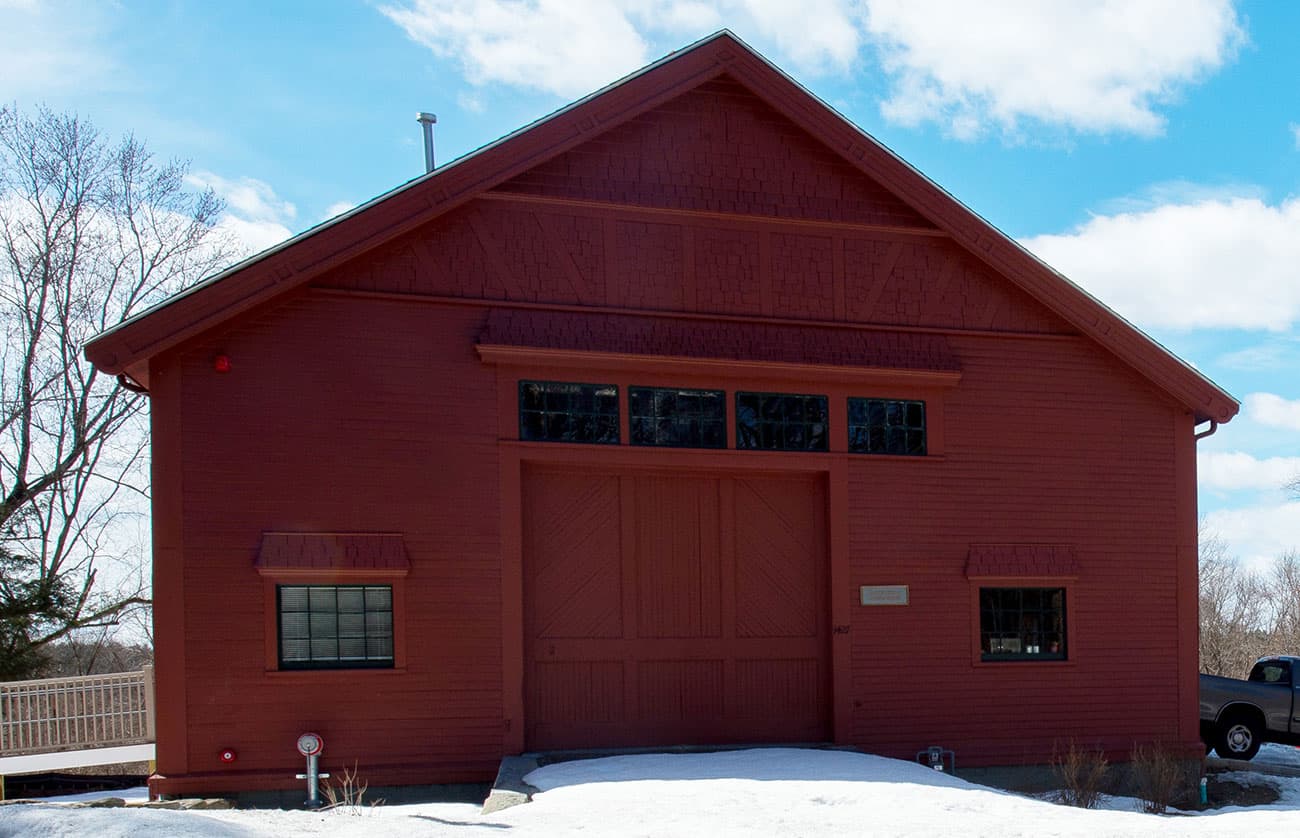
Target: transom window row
<point x="678" y="417"/>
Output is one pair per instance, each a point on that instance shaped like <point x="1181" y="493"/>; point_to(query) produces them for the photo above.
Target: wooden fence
<point x="65" y="714"/>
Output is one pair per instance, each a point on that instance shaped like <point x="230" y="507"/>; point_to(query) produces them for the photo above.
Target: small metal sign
<point x="884" y="594"/>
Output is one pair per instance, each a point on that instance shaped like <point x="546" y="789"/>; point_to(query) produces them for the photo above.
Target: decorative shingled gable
<point x="332" y="551"/>
<point x="127" y="348"/>
<point x="1057" y="561"/>
<point x="718" y="148"/>
<point x="739" y="341"/>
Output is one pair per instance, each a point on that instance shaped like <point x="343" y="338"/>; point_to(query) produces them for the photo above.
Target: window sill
<point x="1029" y="664"/>
<point x="316" y="675"/>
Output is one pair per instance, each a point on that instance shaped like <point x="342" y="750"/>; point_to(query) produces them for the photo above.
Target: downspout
<point x="124" y="381"/>
<point x="1214" y="426"/>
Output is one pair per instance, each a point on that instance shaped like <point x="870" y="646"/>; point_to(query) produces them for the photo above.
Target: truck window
<point x="1271" y="672"/>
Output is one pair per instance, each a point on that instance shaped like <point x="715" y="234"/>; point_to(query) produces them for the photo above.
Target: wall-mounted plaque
<point x="884" y="594"/>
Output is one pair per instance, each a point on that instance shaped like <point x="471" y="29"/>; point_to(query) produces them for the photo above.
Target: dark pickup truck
<point x="1238" y="716"/>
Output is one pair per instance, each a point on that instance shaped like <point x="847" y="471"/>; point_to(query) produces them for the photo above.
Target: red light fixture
<point x="228" y="755"/>
<point x="221" y="363"/>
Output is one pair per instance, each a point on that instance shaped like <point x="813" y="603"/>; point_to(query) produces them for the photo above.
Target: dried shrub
<point x="1081" y="773"/>
<point x="1159" y="776"/>
<point x="348" y="791"/>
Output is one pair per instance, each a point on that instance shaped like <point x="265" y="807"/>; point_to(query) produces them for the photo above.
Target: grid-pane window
<point x="887" y="426"/>
<point x="1022" y="624"/>
<point x="335" y="626"/>
<point x="781" y="422"/>
<point x="677" y="418"/>
<point x="558" y="411"/>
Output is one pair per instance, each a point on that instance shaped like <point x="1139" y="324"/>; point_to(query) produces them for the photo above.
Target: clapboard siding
<point x="387" y="424"/>
<point x="706" y="240"/>
<point x="1050" y="443"/>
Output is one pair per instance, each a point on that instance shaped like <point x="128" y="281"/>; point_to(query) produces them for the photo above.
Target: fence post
<point x="149" y="706"/>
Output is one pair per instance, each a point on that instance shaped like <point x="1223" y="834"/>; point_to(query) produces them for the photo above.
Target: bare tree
<point x="90" y="233"/>
<point x="1235" y="608"/>
<point x="1284" y="589"/>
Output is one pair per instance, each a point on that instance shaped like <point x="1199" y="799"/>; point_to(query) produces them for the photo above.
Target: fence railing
<point x="64" y="714"/>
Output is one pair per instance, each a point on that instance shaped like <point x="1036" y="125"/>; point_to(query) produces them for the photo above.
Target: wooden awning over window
<point x="332" y="553"/>
<point x="1057" y="561"/>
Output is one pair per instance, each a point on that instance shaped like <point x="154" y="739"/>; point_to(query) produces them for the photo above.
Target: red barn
<point x="687" y="415"/>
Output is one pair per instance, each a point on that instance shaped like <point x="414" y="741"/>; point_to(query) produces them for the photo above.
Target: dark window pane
<point x="293" y="598"/>
<point x="321" y="599"/>
<point x="781" y="422"/>
<point x="875" y="412"/>
<point x="352" y="648"/>
<point x="294" y="624"/>
<point x="676" y="417"/>
<point x="555" y="411"/>
<point x="351" y="599"/>
<point x="886" y="426"/>
<point x="1022" y="624"/>
<point x="324" y="626"/>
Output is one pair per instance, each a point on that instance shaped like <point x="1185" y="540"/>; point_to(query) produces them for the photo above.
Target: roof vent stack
<point x="427" y="121"/>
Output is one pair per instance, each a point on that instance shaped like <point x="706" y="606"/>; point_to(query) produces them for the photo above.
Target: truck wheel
<point x="1238" y="738"/>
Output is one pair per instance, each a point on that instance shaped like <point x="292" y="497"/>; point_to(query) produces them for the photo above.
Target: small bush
<point x="1081" y="773"/>
<point x="1159" y="776"/>
<point x="348" y="791"/>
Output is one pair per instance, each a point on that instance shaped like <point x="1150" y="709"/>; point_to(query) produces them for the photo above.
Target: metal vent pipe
<point x="427" y="121"/>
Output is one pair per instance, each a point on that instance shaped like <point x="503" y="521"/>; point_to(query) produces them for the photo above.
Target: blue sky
<point x="1149" y="150"/>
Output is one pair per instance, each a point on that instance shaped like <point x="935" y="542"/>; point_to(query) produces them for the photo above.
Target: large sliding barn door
<point x="675" y="609"/>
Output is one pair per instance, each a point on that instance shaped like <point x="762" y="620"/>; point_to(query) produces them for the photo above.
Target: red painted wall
<point x="362" y="405"/>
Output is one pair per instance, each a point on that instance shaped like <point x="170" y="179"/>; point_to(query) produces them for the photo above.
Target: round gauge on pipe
<point x="310" y="744"/>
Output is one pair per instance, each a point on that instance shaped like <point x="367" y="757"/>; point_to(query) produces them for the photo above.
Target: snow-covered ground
<point x="773" y="791"/>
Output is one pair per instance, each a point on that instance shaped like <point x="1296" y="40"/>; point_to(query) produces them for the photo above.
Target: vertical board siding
<point x="691" y="652"/>
<point x="698" y="266"/>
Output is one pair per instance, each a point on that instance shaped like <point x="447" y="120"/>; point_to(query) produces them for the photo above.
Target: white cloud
<point x="1096" y="67"/>
<point x="556" y="46"/>
<point x="471" y="102"/>
<point x="1099" y="67"/>
<point x="571" y="48"/>
<point x="338" y="208"/>
<point x="1295" y="131"/>
<point x="255" y="216"/>
<point x="1227" y="263"/>
<point x="1274" y="411"/>
<point x="1270" y="355"/>
<point x="49" y="48"/>
<point x="246" y="196"/>
<point x="1258" y="534"/>
<point x="1235" y="470"/>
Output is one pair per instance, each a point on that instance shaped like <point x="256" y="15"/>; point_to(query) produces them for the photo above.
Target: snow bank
<point x="771" y="791"/>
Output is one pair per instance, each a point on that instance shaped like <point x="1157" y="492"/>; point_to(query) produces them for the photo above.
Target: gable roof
<point x="127" y="347"/>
